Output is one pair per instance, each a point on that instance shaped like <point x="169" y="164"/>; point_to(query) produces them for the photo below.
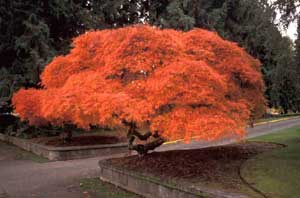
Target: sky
<point x="291" y="31"/>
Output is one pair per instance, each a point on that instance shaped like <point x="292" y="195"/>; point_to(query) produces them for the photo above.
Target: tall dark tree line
<point x="33" y="32"/>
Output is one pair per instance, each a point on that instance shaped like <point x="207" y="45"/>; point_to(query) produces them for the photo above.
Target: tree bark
<point x="143" y="149"/>
<point x="67" y="134"/>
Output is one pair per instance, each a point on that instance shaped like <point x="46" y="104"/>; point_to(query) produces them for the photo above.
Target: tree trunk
<point x="67" y="134"/>
<point x="143" y="149"/>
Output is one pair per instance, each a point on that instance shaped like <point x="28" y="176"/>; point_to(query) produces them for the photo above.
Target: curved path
<point x="261" y="129"/>
<point x="24" y="178"/>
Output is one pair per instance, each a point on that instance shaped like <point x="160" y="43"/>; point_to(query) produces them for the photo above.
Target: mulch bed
<point x="209" y="165"/>
<point x="85" y="141"/>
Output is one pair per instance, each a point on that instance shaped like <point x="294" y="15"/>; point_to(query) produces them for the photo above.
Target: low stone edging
<point x="145" y="186"/>
<point x="152" y="187"/>
<point x="65" y="153"/>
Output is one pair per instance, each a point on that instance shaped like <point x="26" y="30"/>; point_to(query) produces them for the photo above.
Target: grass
<point x="25" y="155"/>
<point x="8" y="151"/>
<point x="277" y="173"/>
<point x="94" y="187"/>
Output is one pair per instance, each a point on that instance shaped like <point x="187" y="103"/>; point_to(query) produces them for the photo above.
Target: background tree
<point x="31" y="33"/>
<point x="285" y="87"/>
<point x="296" y="69"/>
<point x="170" y="83"/>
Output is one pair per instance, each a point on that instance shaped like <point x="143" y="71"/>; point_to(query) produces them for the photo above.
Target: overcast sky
<point x="292" y="31"/>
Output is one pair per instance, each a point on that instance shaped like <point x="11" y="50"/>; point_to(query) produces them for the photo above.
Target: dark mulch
<point x="215" y="164"/>
<point x="85" y="141"/>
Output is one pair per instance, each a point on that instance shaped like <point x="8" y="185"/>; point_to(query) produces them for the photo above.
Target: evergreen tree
<point x="175" y="16"/>
<point x="31" y="34"/>
<point x="297" y="47"/>
<point x="285" y="89"/>
<point x="296" y="69"/>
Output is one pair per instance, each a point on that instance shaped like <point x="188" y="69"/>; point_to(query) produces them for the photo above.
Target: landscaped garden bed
<point x="55" y="148"/>
<point x="86" y="140"/>
<point x="208" y="172"/>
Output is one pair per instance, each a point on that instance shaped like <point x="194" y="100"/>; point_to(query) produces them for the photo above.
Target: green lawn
<point x="94" y="187"/>
<point x="11" y="152"/>
<point x="277" y="173"/>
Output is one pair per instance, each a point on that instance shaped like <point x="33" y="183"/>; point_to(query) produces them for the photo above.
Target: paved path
<point x="24" y="178"/>
<point x="251" y="132"/>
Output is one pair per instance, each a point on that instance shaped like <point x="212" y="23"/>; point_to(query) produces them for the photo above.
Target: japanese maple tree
<point x="159" y="84"/>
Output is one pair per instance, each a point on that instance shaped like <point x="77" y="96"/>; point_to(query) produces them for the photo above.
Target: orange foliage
<point x="181" y="84"/>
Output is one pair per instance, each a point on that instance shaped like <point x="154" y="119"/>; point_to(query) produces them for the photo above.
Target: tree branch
<point x="142" y="137"/>
<point x="142" y="149"/>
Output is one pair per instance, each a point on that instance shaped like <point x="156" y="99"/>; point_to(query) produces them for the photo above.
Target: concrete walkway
<point x="25" y="178"/>
<point x="268" y="128"/>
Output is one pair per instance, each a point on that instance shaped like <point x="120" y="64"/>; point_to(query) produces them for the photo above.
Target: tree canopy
<point x="175" y="84"/>
<point x="32" y="33"/>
